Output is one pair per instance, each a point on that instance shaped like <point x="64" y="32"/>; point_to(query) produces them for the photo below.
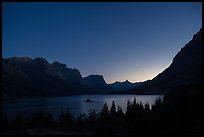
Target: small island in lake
<point x="88" y="100"/>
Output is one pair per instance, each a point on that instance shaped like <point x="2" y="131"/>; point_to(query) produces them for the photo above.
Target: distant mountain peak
<point x="21" y="59"/>
<point x="127" y="81"/>
<point x="40" y="60"/>
<point x="58" y="64"/>
<point x="97" y="82"/>
<point x="95" y="77"/>
<point x="125" y="85"/>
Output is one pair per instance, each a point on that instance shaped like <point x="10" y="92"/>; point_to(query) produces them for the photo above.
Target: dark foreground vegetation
<point x="180" y="112"/>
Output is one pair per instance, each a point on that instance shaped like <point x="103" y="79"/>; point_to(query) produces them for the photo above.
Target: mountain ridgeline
<point x="125" y="85"/>
<point x="185" y="69"/>
<point x="26" y="77"/>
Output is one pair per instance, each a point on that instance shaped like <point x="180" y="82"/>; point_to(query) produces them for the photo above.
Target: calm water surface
<point x="75" y="104"/>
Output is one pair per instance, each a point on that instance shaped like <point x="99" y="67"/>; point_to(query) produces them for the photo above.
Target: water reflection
<point x="75" y="104"/>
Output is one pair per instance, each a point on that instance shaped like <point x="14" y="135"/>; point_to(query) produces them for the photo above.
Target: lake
<point x="75" y="104"/>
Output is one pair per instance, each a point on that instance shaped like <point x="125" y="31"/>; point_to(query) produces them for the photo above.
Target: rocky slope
<point x="185" y="69"/>
<point x="26" y="77"/>
<point x="97" y="82"/>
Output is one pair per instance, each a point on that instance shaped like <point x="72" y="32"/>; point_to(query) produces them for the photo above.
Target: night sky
<point x="121" y="41"/>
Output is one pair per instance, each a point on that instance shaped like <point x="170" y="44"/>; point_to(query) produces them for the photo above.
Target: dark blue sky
<point x="133" y="41"/>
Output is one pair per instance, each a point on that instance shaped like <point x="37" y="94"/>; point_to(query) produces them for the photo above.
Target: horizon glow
<point x="132" y="41"/>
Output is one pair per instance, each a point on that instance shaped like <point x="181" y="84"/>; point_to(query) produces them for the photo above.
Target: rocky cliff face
<point x="185" y="69"/>
<point x="97" y="82"/>
<point x="65" y="73"/>
<point x="26" y="77"/>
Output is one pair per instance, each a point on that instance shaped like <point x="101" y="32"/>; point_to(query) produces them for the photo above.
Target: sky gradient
<point x="121" y="41"/>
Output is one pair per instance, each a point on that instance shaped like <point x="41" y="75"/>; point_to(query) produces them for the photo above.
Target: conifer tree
<point x="113" y="108"/>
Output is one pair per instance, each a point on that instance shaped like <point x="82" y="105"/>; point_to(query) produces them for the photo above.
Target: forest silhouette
<point x="179" y="112"/>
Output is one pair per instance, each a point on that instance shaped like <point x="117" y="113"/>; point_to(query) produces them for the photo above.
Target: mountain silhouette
<point x="65" y="73"/>
<point x="26" y="77"/>
<point x="97" y="82"/>
<point x="125" y="85"/>
<point x="185" y="69"/>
